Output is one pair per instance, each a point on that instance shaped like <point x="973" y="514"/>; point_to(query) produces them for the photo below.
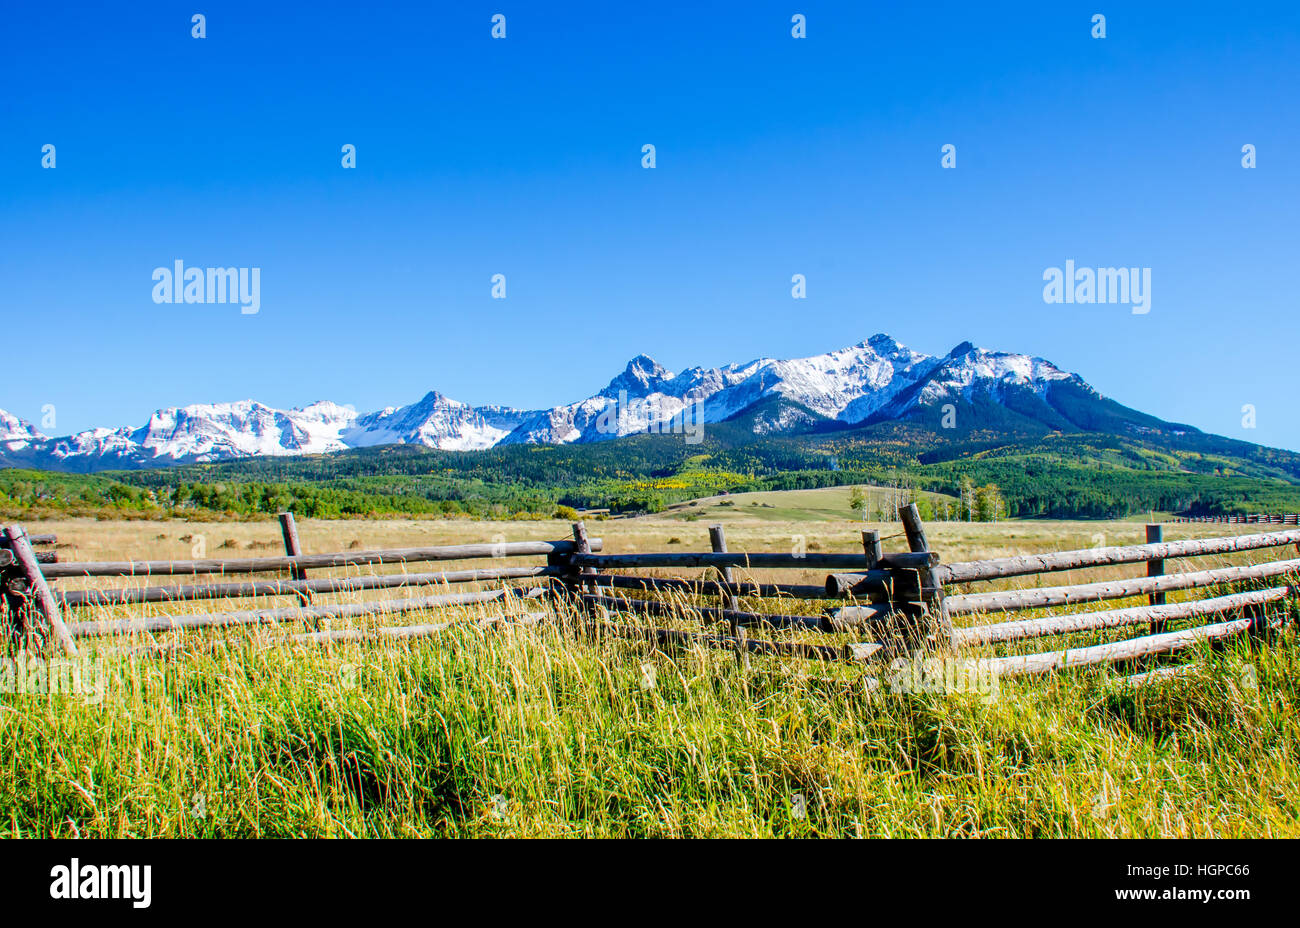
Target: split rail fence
<point x="874" y="605"/>
<point x="1287" y="518"/>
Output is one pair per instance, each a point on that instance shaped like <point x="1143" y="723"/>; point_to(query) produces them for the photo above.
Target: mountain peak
<point x="641" y="376"/>
<point x="14" y="429"/>
<point x="881" y="341"/>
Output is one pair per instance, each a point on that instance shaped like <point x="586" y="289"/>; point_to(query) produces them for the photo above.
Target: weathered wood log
<point x="906" y="560"/>
<point x="901" y="625"/>
<point x="996" y="568"/>
<point x="853" y="616"/>
<point x="176" y="647"/>
<point x="7" y="558"/>
<point x="718" y="542"/>
<point x="293" y="548"/>
<point x="43" y="539"/>
<point x="872" y="549"/>
<point x="1008" y="600"/>
<point x="13" y="596"/>
<point x="1156" y="568"/>
<point x="865" y="650"/>
<point x="410" y="632"/>
<point x="38" y="589"/>
<point x="1115" y="618"/>
<point x="581" y="545"/>
<point x="168" y="594"/>
<point x="913" y="528"/>
<point x="1146" y="646"/>
<point x="840" y="586"/>
<point x="1159" y="675"/>
<point x="651" y="607"/>
<point x="852" y="653"/>
<point x="167" y="623"/>
<point x="938" y="631"/>
<point x="338" y="559"/>
<point x="705" y="587"/>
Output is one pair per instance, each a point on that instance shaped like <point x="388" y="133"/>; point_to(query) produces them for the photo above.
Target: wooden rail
<point x="840" y="621"/>
<point x="709" y="587"/>
<point x="1042" y="597"/>
<point x="1251" y="605"/>
<point x="1289" y="518"/>
<point x="293" y="613"/>
<point x="1023" y="565"/>
<point x="412" y="632"/>
<point x="76" y="598"/>
<point x="24" y="578"/>
<point x="904" y="560"/>
<point x="1147" y="646"/>
<point x="254" y="565"/>
<point x="1113" y="618"/>
<point x="9" y="559"/>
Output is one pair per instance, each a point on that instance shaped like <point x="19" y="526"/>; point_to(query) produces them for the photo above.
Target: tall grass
<point x="542" y="730"/>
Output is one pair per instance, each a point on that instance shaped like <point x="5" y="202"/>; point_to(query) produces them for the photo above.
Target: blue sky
<point x="522" y="156"/>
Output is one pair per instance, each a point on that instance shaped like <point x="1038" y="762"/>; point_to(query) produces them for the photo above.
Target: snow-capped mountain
<point x="18" y="434"/>
<point x="879" y="379"/>
<point x="207" y="432"/>
<point x="437" y="422"/>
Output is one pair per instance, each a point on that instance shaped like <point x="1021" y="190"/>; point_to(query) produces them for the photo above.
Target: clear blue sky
<point x="522" y="156"/>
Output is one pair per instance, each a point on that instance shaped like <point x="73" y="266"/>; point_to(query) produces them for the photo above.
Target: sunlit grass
<point x="547" y="730"/>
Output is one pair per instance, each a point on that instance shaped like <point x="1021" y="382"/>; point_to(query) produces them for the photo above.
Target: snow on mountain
<point x="436" y="422"/>
<point x="213" y="432"/>
<point x="878" y="378"/>
<point x="849" y="385"/>
<point x="18" y="434"/>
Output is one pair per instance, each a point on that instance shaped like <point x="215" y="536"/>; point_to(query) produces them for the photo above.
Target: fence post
<point x="872" y="548"/>
<point x="931" y="593"/>
<point x="718" y="542"/>
<point x="14" y="588"/>
<point x="1156" y="568"/>
<point x="582" y="546"/>
<point x="289" y="529"/>
<point x="39" y="590"/>
<point x="573" y="579"/>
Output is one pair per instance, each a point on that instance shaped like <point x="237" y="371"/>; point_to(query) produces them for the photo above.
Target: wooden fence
<point x="35" y="608"/>
<point x="908" y="601"/>
<point x="1289" y="518"/>
<point x="875" y="605"/>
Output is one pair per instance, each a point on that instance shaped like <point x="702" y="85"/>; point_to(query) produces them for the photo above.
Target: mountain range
<point x="878" y="380"/>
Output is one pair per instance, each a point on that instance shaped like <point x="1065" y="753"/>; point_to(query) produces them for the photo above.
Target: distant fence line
<point x="1289" y="518"/>
<point x="889" y="604"/>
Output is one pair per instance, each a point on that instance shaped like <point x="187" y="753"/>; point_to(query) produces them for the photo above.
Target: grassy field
<point x="531" y="730"/>
<point x="828" y="504"/>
